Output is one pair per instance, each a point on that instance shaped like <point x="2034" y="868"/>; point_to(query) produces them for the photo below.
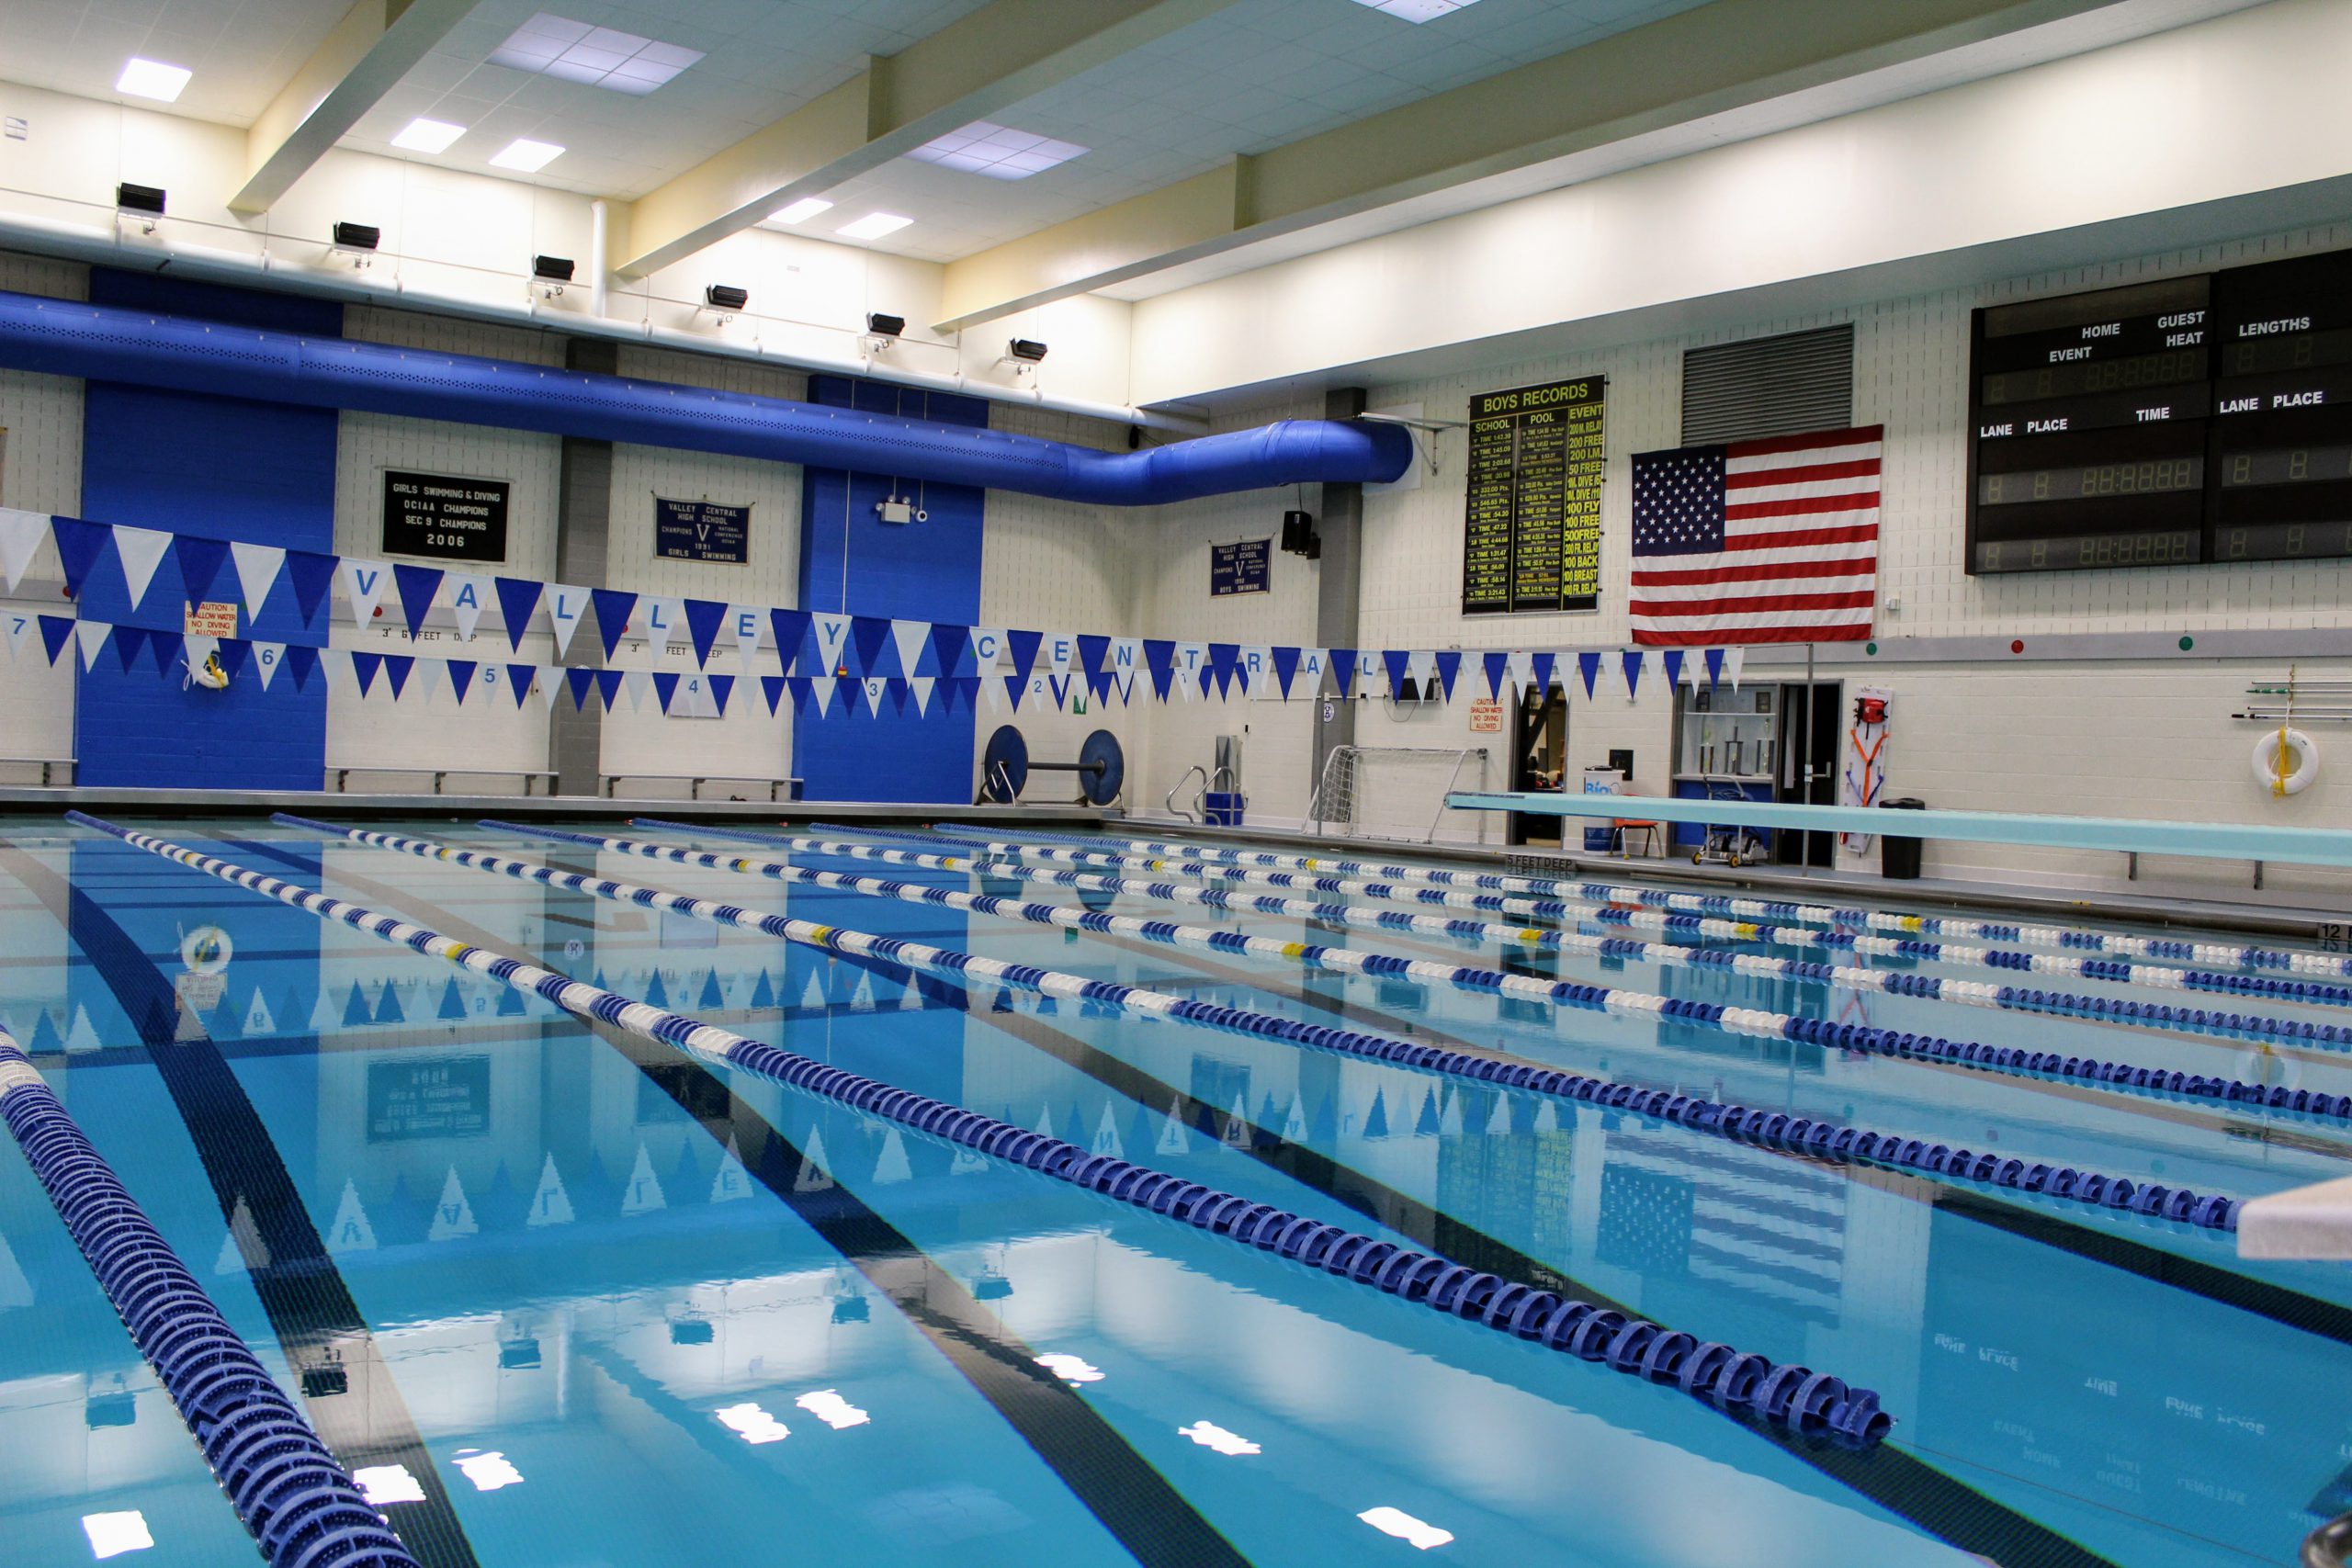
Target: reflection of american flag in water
<point x="1774" y="540"/>
<point x="1761" y="1222"/>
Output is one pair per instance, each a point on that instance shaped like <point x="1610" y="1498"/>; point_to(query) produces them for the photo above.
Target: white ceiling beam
<point x="376" y="44"/>
<point x="971" y="69"/>
<point x="1635" y="90"/>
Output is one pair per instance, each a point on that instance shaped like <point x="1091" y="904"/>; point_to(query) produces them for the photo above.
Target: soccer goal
<point x="1392" y="792"/>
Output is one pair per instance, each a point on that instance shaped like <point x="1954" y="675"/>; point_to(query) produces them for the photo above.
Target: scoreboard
<point x="1531" y="536"/>
<point x="2183" y="421"/>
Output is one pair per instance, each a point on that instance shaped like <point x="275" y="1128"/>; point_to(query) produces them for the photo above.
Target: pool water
<point x="565" y="1297"/>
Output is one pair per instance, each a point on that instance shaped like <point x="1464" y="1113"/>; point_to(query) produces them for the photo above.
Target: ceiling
<point x="240" y="51"/>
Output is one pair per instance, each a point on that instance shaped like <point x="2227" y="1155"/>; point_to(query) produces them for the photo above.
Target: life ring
<point x="2268" y="763"/>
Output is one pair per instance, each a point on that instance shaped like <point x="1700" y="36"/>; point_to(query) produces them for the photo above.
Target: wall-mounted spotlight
<point x="724" y="301"/>
<point x="357" y="240"/>
<point x="880" y="325"/>
<point x="549" y="273"/>
<point x="143" y="204"/>
<point x="1026" y="351"/>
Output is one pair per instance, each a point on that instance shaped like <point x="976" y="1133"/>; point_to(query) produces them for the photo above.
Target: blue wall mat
<point x="225" y="467"/>
<point x="917" y="570"/>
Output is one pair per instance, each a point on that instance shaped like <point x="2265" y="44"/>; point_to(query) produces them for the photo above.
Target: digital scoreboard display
<point x="2166" y="423"/>
<point x="1530" y="536"/>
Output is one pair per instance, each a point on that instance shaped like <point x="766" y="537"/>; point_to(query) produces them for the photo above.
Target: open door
<point x="1538" y="759"/>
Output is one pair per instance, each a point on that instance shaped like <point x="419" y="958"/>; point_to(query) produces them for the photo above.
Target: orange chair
<point x="1620" y="829"/>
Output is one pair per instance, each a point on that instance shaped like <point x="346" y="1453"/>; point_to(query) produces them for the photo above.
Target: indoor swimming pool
<point x="560" y="1293"/>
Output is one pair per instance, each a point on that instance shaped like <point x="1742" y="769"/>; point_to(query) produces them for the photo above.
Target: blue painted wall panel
<point x="232" y="469"/>
<point x="927" y="570"/>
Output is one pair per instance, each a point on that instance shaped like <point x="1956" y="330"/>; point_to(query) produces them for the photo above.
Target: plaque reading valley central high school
<point x="1530" y="537"/>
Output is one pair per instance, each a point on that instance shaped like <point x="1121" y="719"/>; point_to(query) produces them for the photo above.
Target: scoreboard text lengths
<point x="2192" y="420"/>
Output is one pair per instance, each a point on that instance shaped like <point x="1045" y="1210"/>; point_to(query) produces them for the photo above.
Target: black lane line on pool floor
<point x="310" y="1306"/>
<point x="1141" y="1508"/>
<point x="2309" y="1315"/>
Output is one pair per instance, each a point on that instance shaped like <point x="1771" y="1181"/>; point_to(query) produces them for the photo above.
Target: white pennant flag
<point x="266" y="657"/>
<point x="1257" y="667"/>
<point x="258" y="570"/>
<point x="20" y="627"/>
<point x="1420" y="668"/>
<point x="910" y="636"/>
<point x="995" y="690"/>
<point x="364" y="580"/>
<point x="336" y="663"/>
<point x="821" y="686"/>
<point x="665" y="620"/>
<point x="20" y="536"/>
<point x="1181" y="678"/>
<point x="1312" y="663"/>
<point x="1519" y="668"/>
<point x="565" y="605"/>
<point x="1734" y="658"/>
<point x="988" y="650"/>
<point x="467" y="595"/>
<point x="92" y="635"/>
<point x="832" y="636"/>
<point x="746" y="620"/>
<point x="1189" y="659"/>
<point x="1125" y="659"/>
<point x="141" y="550"/>
<point x="636" y="682"/>
<point x="548" y="685"/>
<point x="1058" y="650"/>
<point x="876" y="687"/>
<point x="922" y="685"/>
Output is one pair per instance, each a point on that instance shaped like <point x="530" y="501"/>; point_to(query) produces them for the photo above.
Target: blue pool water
<point x="583" y="1301"/>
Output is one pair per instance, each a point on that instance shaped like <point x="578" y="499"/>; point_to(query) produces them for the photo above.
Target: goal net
<point x="1398" y="792"/>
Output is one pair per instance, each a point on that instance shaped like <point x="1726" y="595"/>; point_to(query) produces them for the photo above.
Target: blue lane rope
<point x="300" y="1504"/>
<point x="2062" y="938"/>
<point x="1786" y="1395"/>
<point x="1864" y="1038"/>
<point x="1738" y="1122"/>
<point x="1969" y="993"/>
<point x="1910" y="949"/>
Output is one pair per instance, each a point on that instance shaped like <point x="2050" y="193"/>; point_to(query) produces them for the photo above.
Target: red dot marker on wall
<point x="2017" y="646"/>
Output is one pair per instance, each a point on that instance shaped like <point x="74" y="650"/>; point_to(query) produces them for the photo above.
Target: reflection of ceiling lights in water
<point x="488" y="1472"/>
<point x="1209" y="1434"/>
<point x="827" y="1405"/>
<point x="382" y="1483"/>
<point x="1405" y="1527"/>
<point x="752" y="1424"/>
<point x="1070" y="1369"/>
<point x="111" y="1535"/>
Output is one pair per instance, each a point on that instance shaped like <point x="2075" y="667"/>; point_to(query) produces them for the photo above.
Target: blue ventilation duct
<point x="101" y="343"/>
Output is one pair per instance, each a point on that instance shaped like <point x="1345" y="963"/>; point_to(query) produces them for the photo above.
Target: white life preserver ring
<point x="2267" y="760"/>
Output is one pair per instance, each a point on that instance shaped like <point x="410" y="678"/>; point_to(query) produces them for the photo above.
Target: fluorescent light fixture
<point x="382" y="1483"/>
<point x="998" y="152"/>
<point x="753" y="1424"/>
<point x="427" y="136"/>
<point x="599" y="57"/>
<point x="151" y="79"/>
<point x="1209" y="1434"/>
<point x="800" y="211"/>
<point x="111" y="1535"/>
<point x="1417" y="11"/>
<point x="827" y="1405"/>
<point x="1405" y="1527"/>
<point x="488" y="1472"/>
<point x="873" y="226"/>
<point x="526" y="156"/>
<point x="1070" y="1369"/>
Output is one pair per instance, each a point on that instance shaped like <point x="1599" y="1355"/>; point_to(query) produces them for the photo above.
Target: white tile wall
<point x="40" y="470"/>
<point x="368" y="444"/>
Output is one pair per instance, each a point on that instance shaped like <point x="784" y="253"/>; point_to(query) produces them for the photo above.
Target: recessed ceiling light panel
<point x="1418" y="10"/>
<point x="873" y="226"/>
<point x="800" y="211"/>
<point x="152" y="79"/>
<point x="526" y="156"/>
<point x="599" y="57"/>
<point x="428" y="136"/>
<point x="997" y="151"/>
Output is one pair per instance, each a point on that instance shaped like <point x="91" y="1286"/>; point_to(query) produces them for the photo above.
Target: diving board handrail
<point x="2207" y="840"/>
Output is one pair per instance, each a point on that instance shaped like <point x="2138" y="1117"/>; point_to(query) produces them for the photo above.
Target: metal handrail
<point x="47" y="765"/>
<point x="696" y="781"/>
<point x="1176" y="810"/>
<point x="2330" y="1546"/>
<point x="343" y="774"/>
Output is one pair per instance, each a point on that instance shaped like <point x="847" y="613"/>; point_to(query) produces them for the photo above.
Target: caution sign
<point x="1487" y="716"/>
<point x="210" y="619"/>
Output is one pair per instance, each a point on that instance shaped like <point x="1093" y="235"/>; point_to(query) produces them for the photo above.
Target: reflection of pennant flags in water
<point x="350" y="1231"/>
<point x="550" y="1204"/>
<point x="732" y="1181"/>
<point x="892" y="1167"/>
<point x="453" y="1215"/>
<point x="242" y="1248"/>
<point x="15" y="1290"/>
<point x="643" y="1193"/>
<point x="815" y="1174"/>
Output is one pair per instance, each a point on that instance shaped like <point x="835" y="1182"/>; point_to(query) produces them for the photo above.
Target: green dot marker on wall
<point x="2186" y="643"/>
<point x="1871" y="648"/>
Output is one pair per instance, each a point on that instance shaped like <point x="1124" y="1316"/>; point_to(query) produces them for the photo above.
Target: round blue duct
<point x="102" y="343"/>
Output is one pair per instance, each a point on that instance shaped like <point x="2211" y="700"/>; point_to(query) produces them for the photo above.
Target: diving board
<point x="2209" y="840"/>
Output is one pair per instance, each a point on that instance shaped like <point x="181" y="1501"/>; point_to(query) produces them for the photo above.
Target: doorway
<point x="1809" y="739"/>
<point x="1538" y="761"/>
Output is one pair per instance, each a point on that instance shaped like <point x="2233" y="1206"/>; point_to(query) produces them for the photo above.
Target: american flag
<point x="1759" y="541"/>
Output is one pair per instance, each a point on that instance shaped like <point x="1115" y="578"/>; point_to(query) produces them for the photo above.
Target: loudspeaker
<point x="1298" y="532"/>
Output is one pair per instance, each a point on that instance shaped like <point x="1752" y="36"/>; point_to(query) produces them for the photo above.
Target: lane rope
<point x="1786" y="1395"/>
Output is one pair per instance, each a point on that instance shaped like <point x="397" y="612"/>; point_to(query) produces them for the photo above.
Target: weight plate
<point x="1101" y="784"/>
<point x="1004" y="766"/>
